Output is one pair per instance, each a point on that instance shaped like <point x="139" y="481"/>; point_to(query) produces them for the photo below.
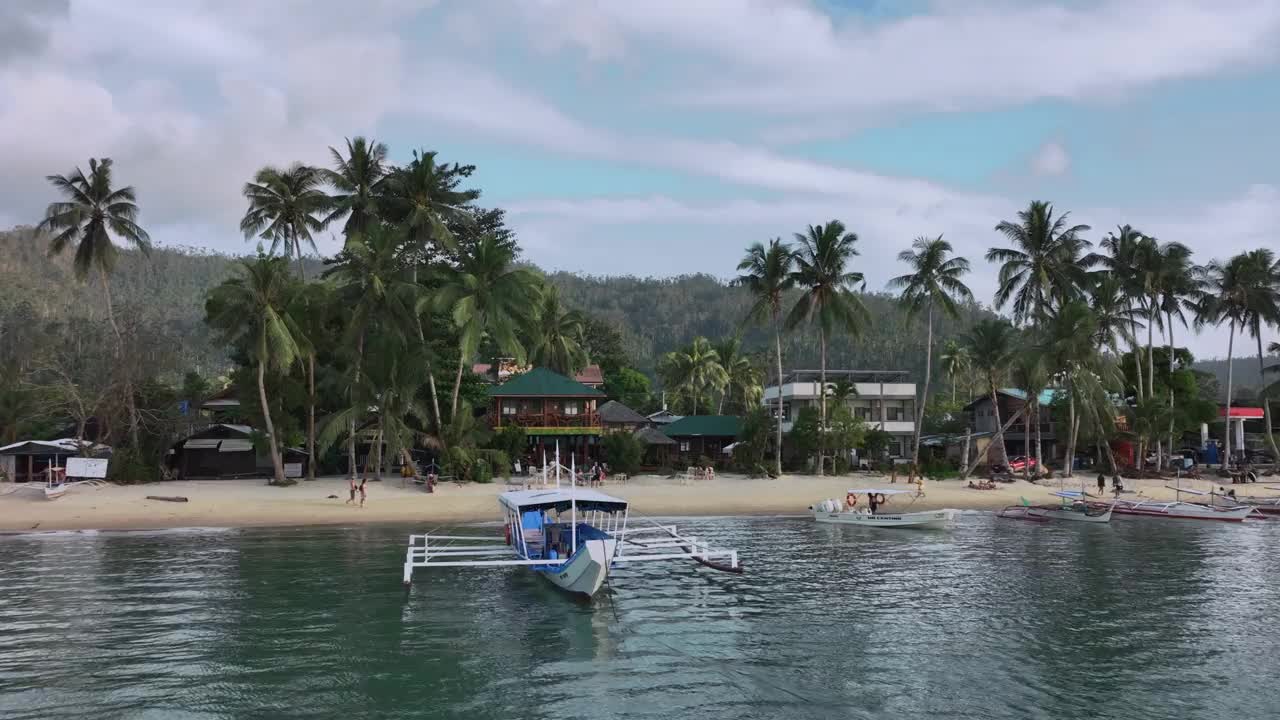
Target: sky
<point x="663" y="137"/>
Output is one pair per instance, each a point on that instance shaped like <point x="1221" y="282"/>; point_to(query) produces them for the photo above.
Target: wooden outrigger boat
<point x="1266" y="505"/>
<point x="836" y="512"/>
<point x="1075" y="506"/>
<point x="1182" y="510"/>
<point x="573" y="538"/>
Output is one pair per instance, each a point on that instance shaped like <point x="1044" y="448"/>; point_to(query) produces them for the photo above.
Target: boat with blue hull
<point x="573" y="538"/>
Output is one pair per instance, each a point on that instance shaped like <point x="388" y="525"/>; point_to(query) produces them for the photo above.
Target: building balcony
<point x="587" y="423"/>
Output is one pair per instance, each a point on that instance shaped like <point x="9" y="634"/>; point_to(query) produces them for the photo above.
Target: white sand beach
<point x="248" y="503"/>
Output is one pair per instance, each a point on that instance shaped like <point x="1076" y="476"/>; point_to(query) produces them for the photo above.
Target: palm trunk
<point x="1265" y="398"/>
<point x="271" y="428"/>
<point x="1026" y="439"/>
<point x="1137" y="356"/>
<point x="311" y="416"/>
<point x="777" y="354"/>
<point x="378" y="449"/>
<point x="822" y="400"/>
<point x="1002" y="456"/>
<point x="1169" y="331"/>
<point x="431" y="374"/>
<point x="1039" y="447"/>
<point x="1071" y="435"/>
<point x="457" y="387"/>
<point x="354" y="394"/>
<point x="924" y="397"/>
<point x="130" y="402"/>
<point x="1226" y="446"/>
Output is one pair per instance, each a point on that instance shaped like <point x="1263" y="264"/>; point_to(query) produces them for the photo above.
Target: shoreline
<point x="232" y="504"/>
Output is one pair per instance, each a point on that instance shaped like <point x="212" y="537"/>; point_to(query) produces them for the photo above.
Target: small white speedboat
<point x="848" y="513"/>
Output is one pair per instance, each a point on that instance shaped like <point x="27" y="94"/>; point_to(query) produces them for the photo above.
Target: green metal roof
<point x="704" y="425"/>
<point x="541" y="382"/>
<point x="1044" y="398"/>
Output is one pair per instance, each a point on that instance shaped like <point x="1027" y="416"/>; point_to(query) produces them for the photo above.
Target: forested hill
<point x="660" y="314"/>
<point x="167" y="290"/>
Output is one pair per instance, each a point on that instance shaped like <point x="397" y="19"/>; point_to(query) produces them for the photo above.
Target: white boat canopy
<point x="1070" y="494"/>
<point x="879" y="491"/>
<point x="561" y="500"/>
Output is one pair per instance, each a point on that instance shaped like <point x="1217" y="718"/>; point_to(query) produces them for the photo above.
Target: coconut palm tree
<point x="1173" y="286"/>
<point x="371" y="280"/>
<point x="934" y="280"/>
<point x="1032" y="377"/>
<point x="1044" y="267"/>
<point x="1263" y="309"/>
<point x="286" y="207"/>
<point x="252" y="311"/>
<point x="822" y="271"/>
<point x="767" y="275"/>
<point x="742" y="376"/>
<point x="92" y="212"/>
<point x="311" y="310"/>
<point x="489" y="295"/>
<point x="1077" y="367"/>
<point x="357" y="180"/>
<point x="841" y="392"/>
<point x="1224" y="296"/>
<point x="555" y="335"/>
<point x="1126" y="259"/>
<point x="955" y="361"/>
<point x="991" y="346"/>
<point x="694" y="371"/>
<point x="423" y="197"/>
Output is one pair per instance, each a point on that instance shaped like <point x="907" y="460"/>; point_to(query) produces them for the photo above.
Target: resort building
<point x="224" y="451"/>
<point x="614" y="417"/>
<point x="503" y="369"/>
<point x="883" y="399"/>
<point x="981" y="417"/>
<point x="698" y="436"/>
<point x="550" y="407"/>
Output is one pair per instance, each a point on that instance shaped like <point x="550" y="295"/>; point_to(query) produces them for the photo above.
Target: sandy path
<point x="244" y="503"/>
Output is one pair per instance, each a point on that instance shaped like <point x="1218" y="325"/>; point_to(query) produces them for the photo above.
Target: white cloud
<point x="1051" y="159"/>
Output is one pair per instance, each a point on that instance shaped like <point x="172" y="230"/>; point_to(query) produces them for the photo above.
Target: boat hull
<point x="1046" y="513"/>
<point x="931" y="519"/>
<point x="53" y="492"/>
<point x="1201" y="512"/>
<point x="586" y="571"/>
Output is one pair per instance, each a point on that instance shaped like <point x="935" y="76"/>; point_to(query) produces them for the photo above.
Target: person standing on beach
<point x="362" y="492"/>
<point x="1102" y="483"/>
<point x="352" y="498"/>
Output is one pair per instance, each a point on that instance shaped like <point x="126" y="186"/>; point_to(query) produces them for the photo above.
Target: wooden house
<point x="550" y="407"/>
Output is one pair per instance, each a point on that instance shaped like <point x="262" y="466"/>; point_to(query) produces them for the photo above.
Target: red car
<point x="1016" y="464"/>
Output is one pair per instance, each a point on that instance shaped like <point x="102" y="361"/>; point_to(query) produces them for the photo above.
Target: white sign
<point x="78" y="467"/>
<point x="293" y="470"/>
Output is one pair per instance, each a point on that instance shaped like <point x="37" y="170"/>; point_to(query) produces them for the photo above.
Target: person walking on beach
<point x="352" y="498"/>
<point x="362" y="492"/>
<point x="1102" y="483"/>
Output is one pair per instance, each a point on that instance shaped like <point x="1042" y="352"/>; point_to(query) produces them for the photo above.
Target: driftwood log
<point x="167" y="498"/>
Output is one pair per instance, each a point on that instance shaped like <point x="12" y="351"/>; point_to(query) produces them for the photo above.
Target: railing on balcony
<point x="551" y="420"/>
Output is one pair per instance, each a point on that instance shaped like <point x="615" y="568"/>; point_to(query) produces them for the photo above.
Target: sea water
<point x="1144" y="618"/>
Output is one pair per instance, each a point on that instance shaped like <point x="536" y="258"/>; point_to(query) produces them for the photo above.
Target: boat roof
<point x="1071" y="494"/>
<point x="879" y="491"/>
<point x="558" y="499"/>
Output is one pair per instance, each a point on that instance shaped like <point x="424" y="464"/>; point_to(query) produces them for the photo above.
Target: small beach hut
<point x="26" y="461"/>
<point x="224" y="450"/>
<point x="616" y="416"/>
<point x="701" y="436"/>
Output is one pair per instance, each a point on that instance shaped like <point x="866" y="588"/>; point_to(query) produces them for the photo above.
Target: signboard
<point x="87" y="468"/>
<point x="293" y="470"/>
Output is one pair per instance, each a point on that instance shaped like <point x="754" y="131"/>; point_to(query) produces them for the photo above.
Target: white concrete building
<point x="883" y="400"/>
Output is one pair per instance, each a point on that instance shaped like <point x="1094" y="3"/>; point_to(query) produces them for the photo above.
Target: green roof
<point x="704" y="425"/>
<point x="541" y="382"/>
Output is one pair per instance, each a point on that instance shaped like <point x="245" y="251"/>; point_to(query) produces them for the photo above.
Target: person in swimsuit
<point x="362" y="492"/>
<point x="352" y="498"/>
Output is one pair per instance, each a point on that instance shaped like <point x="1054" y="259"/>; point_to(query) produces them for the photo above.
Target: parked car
<point x="1016" y="464"/>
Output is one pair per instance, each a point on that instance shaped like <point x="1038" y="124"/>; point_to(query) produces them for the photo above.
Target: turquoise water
<point x="997" y="619"/>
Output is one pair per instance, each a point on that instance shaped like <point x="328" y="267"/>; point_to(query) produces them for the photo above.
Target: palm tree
<point x="487" y="294"/>
<point x="1078" y="367"/>
<point x="742" y="377"/>
<point x="311" y="311"/>
<point x="1262" y="309"/>
<point x="842" y="391"/>
<point x="285" y="207"/>
<point x="1031" y="375"/>
<point x="827" y="300"/>
<point x="1044" y="267"/>
<point x="373" y="283"/>
<point x="694" y="371"/>
<point x="1126" y="255"/>
<point x="934" y="280"/>
<point x="767" y="275"/>
<point x="955" y="360"/>
<point x="358" y="179"/>
<point x="92" y="212"/>
<point x="991" y="346"/>
<point x="423" y="196"/>
<point x="1224" y="295"/>
<point x="252" y="310"/>
<point x="1173" y="288"/>
<point x="555" y="335"/>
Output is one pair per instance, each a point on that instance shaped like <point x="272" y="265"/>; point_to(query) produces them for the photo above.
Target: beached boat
<point x="848" y="513"/>
<point x="1268" y="505"/>
<point x="1075" y="507"/>
<point x="571" y="537"/>
<point x="1182" y="510"/>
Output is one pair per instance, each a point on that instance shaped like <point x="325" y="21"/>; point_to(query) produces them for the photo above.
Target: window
<point x="863" y="413"/>
<point x="572" y="407"/>
<point x="684" y="446"/>
<point x="895" y="447"/>
<point x="510" y="408"/>
<point x="893" y="414"/>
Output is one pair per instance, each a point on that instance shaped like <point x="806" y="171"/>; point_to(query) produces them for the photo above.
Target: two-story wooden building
<point x="549" y="407"/>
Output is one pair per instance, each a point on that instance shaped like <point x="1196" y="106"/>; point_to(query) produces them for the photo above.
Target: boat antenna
<point x="557" y="464"/>
<point x="573" y="504"/>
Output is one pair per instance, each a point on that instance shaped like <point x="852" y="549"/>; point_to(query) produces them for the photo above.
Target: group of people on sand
<point x="595" y="477"/>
